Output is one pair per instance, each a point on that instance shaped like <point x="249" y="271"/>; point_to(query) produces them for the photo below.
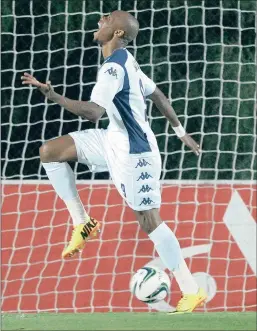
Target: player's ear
<point x="119" y="33"/>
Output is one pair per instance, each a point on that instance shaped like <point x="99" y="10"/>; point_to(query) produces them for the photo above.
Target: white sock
<point x="63" y="180"/>
<point x="185" y="280"/>
<point x="77" y="210"/>
<point x="168" y="248"/>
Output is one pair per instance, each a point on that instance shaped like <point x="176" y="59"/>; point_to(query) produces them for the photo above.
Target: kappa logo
<point x="145" y="201"/>
<point x="87" y="228"/>
<point x="112" y="72"/>
<point x="144" y="176"/>
<point x="142" y="163"/>
<point x="145" y="188"/>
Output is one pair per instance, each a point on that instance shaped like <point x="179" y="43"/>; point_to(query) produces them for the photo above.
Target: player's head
<point x="119" y="26"/>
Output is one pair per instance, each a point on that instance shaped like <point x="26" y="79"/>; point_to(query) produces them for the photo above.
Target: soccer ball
<point x="150" y="284"/>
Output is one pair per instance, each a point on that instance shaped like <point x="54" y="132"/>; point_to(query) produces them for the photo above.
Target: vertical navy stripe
<point x="137" y="138"/>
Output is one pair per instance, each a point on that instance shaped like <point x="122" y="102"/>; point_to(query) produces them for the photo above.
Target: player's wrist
<point x="179" y="130"/>
<point x="47" y="90"/>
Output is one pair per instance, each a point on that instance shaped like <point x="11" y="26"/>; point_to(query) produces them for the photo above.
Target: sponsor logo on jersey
<point x="111" y="71"/>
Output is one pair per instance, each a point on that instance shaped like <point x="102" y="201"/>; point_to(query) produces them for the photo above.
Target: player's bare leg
<point x="168" y="248"/>
<point x="54" y="155"/>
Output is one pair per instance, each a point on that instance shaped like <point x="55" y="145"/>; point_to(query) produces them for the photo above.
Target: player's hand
<point x="28" y="79"/>
<point x="191" y="143"/>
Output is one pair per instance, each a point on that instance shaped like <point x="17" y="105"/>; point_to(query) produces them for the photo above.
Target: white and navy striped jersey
<point x="121" y="89"/>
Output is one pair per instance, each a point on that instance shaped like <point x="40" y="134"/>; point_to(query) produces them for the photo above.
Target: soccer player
<point x="127" y="149"/>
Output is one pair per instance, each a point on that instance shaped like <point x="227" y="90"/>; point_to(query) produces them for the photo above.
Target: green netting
<point x="201" y="54"/>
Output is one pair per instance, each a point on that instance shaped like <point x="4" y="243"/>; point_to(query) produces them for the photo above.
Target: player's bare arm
<point x="164" y="106"/>
<point x="89" y="110"/>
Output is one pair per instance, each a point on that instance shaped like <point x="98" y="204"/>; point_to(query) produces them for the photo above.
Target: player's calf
<point x="148" y="220"/>
<point x="161" y="235"/>
<point x="163" y="238"/>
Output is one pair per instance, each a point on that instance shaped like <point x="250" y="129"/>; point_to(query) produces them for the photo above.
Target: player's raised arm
<point x="164" y="106"/>
<point x="89" y="110"/>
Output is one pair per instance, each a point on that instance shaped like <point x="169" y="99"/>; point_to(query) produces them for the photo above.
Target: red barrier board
<point x="34" y="231"/>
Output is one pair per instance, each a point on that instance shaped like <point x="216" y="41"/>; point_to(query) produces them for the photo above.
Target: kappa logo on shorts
<point x="144" y="176"/>
<point x="142" y="163"/>
<point x="112" y="72"/>
<point x="147" y="201"/>
<point x="145" y="188"/>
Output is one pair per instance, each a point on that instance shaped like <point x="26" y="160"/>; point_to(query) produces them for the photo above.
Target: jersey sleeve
<point x="109" y="82"/>
<point x="149" y="85"/>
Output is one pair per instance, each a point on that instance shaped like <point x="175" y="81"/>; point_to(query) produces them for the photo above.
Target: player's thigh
<point x="60" y="149"/>
<point x="90" y="148"/>
<point x="138" y="181"/>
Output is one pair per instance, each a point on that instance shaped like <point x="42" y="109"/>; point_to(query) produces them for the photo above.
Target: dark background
<point x="201" y="54"/>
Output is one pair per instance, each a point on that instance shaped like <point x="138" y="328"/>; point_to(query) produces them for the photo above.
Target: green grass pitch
<point x="130" y="321"/>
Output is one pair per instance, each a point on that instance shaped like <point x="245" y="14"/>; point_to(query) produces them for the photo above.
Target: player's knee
<point x="46" y="153"/>
<point x="149" y="220"/>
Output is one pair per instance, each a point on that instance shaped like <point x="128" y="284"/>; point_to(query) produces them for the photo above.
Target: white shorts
<point x="136" y="176"/>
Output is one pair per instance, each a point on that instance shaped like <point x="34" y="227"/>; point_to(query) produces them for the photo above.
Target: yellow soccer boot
<point x="80" y="235"/>
<point x="190" y="302"/>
